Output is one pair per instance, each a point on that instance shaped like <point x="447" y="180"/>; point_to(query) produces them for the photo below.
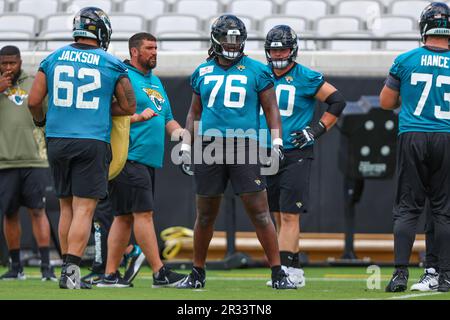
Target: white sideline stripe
<point x="414" y="295"/>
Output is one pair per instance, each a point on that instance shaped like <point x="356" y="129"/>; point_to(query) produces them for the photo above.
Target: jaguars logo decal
<point x="289" y="79"/>
<point x="240" y="67"/>
<point x="157" y="99"/>
<point x="16" y="95"/>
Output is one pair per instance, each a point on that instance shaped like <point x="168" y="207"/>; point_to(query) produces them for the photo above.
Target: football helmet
<point x="93" y="23"/>
<point x="435" y="20"/>
<point x="281" y="37"/>
<point x="228" y="35"/>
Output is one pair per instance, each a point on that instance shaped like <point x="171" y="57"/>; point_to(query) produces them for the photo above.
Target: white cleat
<point x="297" y="276"/>
<point x="429" y="281"/>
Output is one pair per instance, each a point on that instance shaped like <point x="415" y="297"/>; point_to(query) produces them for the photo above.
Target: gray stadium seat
<point x="53" y="45"/>
<point x="410" y="8"/>
<point x="308" y="9"/>
<point x="386" y="24"/>
<point x="402" y="45"/>
<point x="296" y="23"/>
<point x="76" y="5"/>
<point x="3" y="6"/>
<point x="116" y="45"/>
<point x="348" y="45"/>
<point x="359" y="8"/>
<point x="58" y="22"/>
<point x="307" y="44"/>
<point x="200" y="8"/>
<point x="16" y="35"/>
<point x="175" y="22"/>
<point x="254" y="45"/>
<point x="147" y="8"/>
<point x="329" y="25"/>
<point x="18" y="22"/>
<point x="130" y="23"/>
<point x="181" y="45"/>
<point x="39" y="9"/>
<point x="257" y="9"/>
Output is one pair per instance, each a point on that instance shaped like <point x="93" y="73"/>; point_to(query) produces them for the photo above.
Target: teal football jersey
<point x="230" y="97"/>
<point x="81" y="81"/>
<point x="147" y="137"/>
<point x="424" y="76"/>
<point x="295" y="92"/>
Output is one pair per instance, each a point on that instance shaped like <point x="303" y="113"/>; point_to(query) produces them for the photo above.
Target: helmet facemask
<point x="281" y="37"/>
<point x="230" y="45"/>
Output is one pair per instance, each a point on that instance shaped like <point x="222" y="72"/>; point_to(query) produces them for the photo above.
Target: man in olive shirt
<point x="23" y="165"/>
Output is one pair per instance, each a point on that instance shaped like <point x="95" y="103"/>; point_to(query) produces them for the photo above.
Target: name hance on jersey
<point x="434" y="61"/>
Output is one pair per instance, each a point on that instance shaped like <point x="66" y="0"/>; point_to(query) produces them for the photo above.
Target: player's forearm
<point x="194" y="115"/>
<point x="126" y="100"/>
<point x="328" y="119"/>
<point x="271" y="112"/>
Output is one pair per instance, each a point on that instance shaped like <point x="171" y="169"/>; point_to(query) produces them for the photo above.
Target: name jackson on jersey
<point x="79" y="56"/>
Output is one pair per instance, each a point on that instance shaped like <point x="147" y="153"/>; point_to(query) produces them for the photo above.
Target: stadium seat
<point x="257" y="9"/>
<point x="402" y="45"/>
<point x="76" y="5"/>
<point x="39" y="9"/>
<point x="3" y="6"/>
<point x="200" y="8"/>
<point x="307" y="44"/>
<point x="359" y="8"/>
<point x="15" y="36"/>
<point x="308" y="9"/>
<point x="298" y="24"/>
<point x="130" y="23"/>
<point x="410" y="8"/>
<point x="147" y="8"/>
<point x="53" y="45"/>
<point x="59" y="22"/>
<point x="329" y="25"/>
<point x="385" y="24"/>
<point x="175" y="22"/>
<point x="121" y="45"/>
<point x="181" y="45"/>
<point x="349" y="45"/>
<point x="254" y="45"/>
<point x="18" y="22"/>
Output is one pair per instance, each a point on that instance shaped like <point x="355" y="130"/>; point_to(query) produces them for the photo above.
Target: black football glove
<point x="308" y="135"/>
<point x="186" y="162"/>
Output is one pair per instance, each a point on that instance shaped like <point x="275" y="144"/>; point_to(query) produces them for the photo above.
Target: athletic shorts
<point x="132" y="191"/>
<point x="238" y="164"/>
<point x="423" y="171"/>
<point x="22" y="187"/>
<point x="288" y="190"/>
<point x="79" y="167"/>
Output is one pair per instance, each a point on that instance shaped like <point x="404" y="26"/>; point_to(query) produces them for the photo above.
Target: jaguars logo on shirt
<point x="289" y="79"/>
<point x="240" y="67"/>
<point x="157" y="99"/>
<point x="16" y="95"/>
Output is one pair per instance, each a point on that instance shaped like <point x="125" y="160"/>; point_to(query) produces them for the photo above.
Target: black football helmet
<point x="435" y="20"/>
<point x="228" y="35"/>
<point x="281" y="37"/>
<point x="93" y="23"/>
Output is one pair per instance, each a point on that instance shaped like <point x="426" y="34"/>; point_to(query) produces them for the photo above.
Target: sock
<point x="200" y="271"/>
<point x="296" y="260"/>
<point x="275" y="271"/>
<point x="15" y="257"/>
<point x="400" y="266"/>
<point x="286" y="258"/>
<point x="45" y="255"/>
<point x="73" y="259"/>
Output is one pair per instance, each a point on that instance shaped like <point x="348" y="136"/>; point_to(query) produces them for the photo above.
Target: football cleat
<point x="70" y="277"/>
<point x="48" y="273"/>
<point x="192" y="281"/>
<point x="166" y="278"/>
<point x="444" y="282"/>
<point x="399" y="281"/>
<point x="281" y="281"/>
<point x="114" y="280"/>
<point x="429" y="281"/>
<point x="15" y="272"/>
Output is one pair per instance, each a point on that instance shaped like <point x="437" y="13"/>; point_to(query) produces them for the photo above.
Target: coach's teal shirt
<point x="147" y="138"/>
<point x="295" y="90"/>
<point x="230" y="97"/>
<point x="424" y="75"/>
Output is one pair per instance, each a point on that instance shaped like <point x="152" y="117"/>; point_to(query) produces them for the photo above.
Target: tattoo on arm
<point x="125" y="97"/>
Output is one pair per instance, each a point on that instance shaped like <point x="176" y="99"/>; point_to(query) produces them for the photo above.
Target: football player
<point x="81" y="80"/>
<point x="298" y="89"/>
<point x="418" y="83"/>
<point x="228" y="90"/>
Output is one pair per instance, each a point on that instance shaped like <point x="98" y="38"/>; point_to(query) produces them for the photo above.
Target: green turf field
<point x="321" y="283"/>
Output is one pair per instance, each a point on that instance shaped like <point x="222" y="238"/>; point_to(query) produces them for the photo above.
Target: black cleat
<point x="48" y="273"/>
<point x="166" y="278"/>
<point x="15" y="272"/>
<point x="444" y="281"/>
<point x="113" y="280"/>
<point x="193" y="280"/>
<point x="399" y="281"/>
<point x="92" y="277"/>
<point x="281" y="281"/>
